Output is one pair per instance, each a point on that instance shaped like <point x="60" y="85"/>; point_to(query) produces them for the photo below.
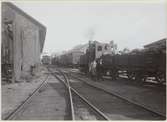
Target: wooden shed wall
<point x="27" y="43"/>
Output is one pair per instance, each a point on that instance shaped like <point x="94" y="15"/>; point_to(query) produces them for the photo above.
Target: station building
<point x="22" y="43"/>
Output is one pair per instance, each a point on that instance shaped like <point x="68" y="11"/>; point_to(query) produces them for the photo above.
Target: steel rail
<point x="84" y="99"/>
<point x="119" y="96"/>
<point x="71" y="99"/>
<point x="69" y="91"/>
<point x="14" y="113"/>
<point x="91" y="105"/>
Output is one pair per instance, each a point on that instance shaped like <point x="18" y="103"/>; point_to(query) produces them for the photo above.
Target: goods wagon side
<point x="83" y="63"/>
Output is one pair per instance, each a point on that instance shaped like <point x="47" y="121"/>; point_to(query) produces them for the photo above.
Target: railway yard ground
<point x="148" y="95"/>
<point x="51" y="102"/>
<point x="14" y="94"/>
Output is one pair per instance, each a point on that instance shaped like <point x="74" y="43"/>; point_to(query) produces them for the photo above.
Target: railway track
<point x="80" y="107"/>
<point x="47" y="102"/>
<point x="86" y="103"/>
<point x="147" y="83"/>
<point x="157" y="104"/>
<point x="15" y="112"/>
<point x="125" y="109"/>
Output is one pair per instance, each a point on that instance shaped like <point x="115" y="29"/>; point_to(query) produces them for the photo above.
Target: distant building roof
<point x="42" y="30"/>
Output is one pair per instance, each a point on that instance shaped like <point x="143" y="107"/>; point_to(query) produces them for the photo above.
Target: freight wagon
<point x="70" y="59"/>
<point x="136" y="66"/>
<point x="46" y="60"/>
<point x="74" y="58"/>
<point x="83" y="63"/>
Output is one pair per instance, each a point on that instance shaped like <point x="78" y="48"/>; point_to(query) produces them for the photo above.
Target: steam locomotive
<point x="137" y="65"/>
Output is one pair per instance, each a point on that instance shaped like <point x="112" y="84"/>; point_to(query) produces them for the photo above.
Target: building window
<point x="99" y="48"/>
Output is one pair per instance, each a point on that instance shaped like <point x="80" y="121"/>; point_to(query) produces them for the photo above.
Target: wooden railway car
<point x="54" y="60"/>
<point x="83" y="63"/>
<point x="136" y="66"/>
<point x="46" y="59"/>
<point x="63" y="60"/>
<point x="70" y="59"/>
<point x="74" y="57"/>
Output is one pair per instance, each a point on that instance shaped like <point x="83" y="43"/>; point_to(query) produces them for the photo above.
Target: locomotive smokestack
<point x="90" y="33"/>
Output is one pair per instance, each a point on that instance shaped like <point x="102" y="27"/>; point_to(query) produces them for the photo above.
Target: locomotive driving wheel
<point x="130" y="75"/>
<point x="139" y="77"/>
<point x="114" y="74"/>
<point x="160" y="77"/>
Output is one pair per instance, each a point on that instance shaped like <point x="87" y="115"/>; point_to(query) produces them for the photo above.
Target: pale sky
<point x="130" y="25"/>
